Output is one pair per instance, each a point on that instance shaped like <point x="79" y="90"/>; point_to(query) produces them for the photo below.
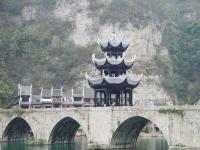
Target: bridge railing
<point x="67" y="104"/>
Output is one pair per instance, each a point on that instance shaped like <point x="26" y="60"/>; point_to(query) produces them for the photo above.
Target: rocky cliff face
<point x="85" y="18"/>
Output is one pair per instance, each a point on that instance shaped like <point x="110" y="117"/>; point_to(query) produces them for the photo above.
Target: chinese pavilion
<point x="113" y="86"/>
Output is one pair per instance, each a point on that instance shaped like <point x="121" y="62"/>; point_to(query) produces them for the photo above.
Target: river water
<point x="142" y="144"/>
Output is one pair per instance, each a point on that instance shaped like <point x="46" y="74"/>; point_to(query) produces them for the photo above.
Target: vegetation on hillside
<point x="183" y="42"/>
<point x="37" y="51"/>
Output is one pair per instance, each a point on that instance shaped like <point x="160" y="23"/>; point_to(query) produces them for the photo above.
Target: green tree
<point x="17" y="45"/>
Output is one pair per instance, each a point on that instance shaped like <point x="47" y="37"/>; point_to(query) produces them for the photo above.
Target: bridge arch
<point x="17" y="129"/>
<point x="126" y="134"/>
<point x="64" y="130"/>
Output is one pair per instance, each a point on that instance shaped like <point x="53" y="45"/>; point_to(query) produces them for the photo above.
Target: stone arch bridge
<point x="105" y="127"/>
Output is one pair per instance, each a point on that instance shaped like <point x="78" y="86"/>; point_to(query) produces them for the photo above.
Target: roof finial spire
<point x="114" y="31"/>
<point x="114" y="34"/>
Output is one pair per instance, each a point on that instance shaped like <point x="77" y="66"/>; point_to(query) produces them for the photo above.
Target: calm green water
<point x="142" y="144"/>
<point x="152" y="144"/>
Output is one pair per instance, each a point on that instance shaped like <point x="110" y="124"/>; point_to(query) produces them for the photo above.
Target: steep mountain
<point x="50" y="42"/>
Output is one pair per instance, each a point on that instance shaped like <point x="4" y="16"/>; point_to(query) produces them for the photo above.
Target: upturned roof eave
<point x="108" y="64"/>
<point x="120" y="45"/>
<point x="124" y="83"/>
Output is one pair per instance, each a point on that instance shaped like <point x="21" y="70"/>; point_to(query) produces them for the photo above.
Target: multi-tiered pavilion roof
<point x="114" y="77"/>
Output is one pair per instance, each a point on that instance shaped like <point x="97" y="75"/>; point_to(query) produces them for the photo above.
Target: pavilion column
<point x="130" y="98"/>
<point x="104" y="98"/>
<point x="125" y="98"/>
<point x="123" y="103"/>
<point x="100" y="98"/>
<point x="120" y="98"/>
<point x="110" y="101"/>
<point x="117" y="99"/>
<point x="108" y="94"/>
<point x="95" y="98"/>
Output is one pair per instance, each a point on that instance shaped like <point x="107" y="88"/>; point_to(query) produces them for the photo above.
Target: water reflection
<point x="77" y="145"/>
<point x="142" y="144"/>
<point x="155" y="143"/>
